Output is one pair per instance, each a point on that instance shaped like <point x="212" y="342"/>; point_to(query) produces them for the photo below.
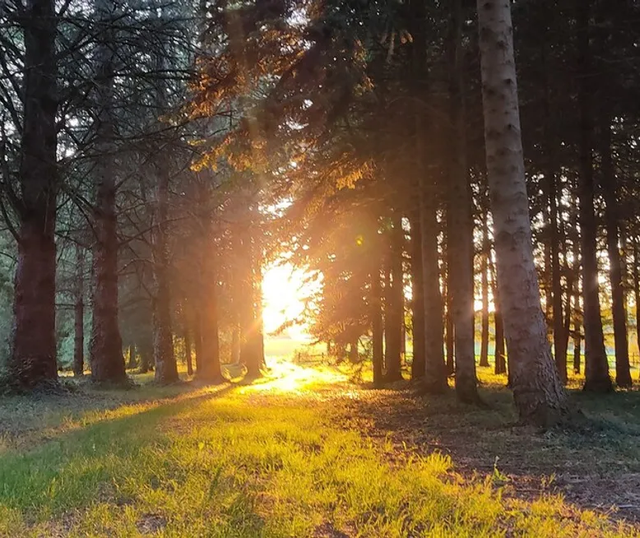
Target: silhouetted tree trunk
<point x="609" y="189"/>
<point x="107" y="361"/>
<point x="197" y="340"/>
<point x="376" y="325"/>
<point x="32" y="360"/>
<point x="460" y="226"/>
<point x="538" y="392"/>
<point x="435" y="374"/>
<point x="500" y="361"/>
<point x="209" y="369"/>
<point x="166" y="368"/>
<point x="597" y="366"/>
<point x="394" y="308"/>
<point x="78" y="340"/>
<point x="484" y="284"/>
<point x="636" y="287"/>
<point x="132" y="356"/>
<point x="188" y="350"/>
<point x="145" y="347"/>
<point x="418" y="305"/>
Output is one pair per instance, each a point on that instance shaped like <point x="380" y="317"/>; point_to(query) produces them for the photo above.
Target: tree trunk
<point x="132" y="357"/>
<point x="376" y="325"/>
<point x="394" y="308"/>
<point x="209" y="369"/>
<point x="500" y="361"/>
<point x="197" y="341"/>
<point x="187" y="350"/>
<point x="105" y="354"/>
<point x="597" y="366"/>
<point x="418" y="305"/>
<point x="78" y="340"/>
<point x="636" y="287"/>
<point x="460" y="227"/>
<point x="32" y="359"/>
<point x="538" y="392"/>
<point x="484" y="279"/>
<point x="166" y="368"/>
<point x="145" y="347"/>
<point x="616" y="277"/>
<point x="435" y="373"/>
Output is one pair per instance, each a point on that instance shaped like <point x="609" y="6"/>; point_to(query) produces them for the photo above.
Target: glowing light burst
<point x="288" y="377"/>
<point x="284" y="291"/>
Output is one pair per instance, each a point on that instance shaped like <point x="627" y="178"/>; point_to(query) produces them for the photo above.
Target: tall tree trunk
<point x="209" y="369"/>
<point x="597" y="366"/>
<point x="32" y="359"/>
<point x="460" y="226"/>
<point x="394" y="308"/>
<point x="500" y="361"/>
<point x="145" y="347"/>
<point x="197" y="340"/>
<point x="609" y="189"/>
<point x="435" y="373"/>
<point x="105" y="354"/>
<point x="418" y="305"/>
<point x="538" y="392"/>
<point x="376" y="325"/>
<point x="484" y="280"/>
<point x="78" y="340"/>
<point x="166" y="368"/>
<point x="636" y="287"/>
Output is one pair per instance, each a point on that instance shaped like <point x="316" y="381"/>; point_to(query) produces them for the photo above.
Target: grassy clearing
<point x="263" y="460"/>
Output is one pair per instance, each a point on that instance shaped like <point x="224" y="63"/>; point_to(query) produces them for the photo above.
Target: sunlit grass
<point x="263" y="460"/>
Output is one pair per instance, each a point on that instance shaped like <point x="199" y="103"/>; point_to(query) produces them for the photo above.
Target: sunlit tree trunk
<point x="460" y="227"/>
<point x="538" y="392"/>
<point x="500" y="361"/>
<point x="32" y="359"/>
<point x="188" y="352"/>
<point x="616" y="278"/>
<point x="132" y="357"/>
<point x="105" y="355"/>
<point x="596" y="363"/>
<point x="636" y="287"/>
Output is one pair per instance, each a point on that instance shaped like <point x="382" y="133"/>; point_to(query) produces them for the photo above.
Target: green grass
<point x="267" y="460"/>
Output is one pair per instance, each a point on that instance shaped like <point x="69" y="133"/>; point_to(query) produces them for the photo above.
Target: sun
<point x="283" y="292"/>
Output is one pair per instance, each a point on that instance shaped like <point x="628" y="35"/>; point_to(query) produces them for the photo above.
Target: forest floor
<point x="305" y="452"/>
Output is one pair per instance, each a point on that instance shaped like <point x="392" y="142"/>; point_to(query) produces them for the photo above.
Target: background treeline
<point x="167" y="150"/>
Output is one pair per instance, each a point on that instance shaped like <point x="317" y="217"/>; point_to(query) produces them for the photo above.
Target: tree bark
<point x="376" y="325"/>
<point x="484" y="284"/>
<point x="105" y="354"/>
<point x="616" y="278"/>
<point x="394" y="307"/>
<point x="32" y="359"/>
<point x="538" y="392"/>
<point x="78" y="340"/>
<point x="636" y="287"/>
<point x="500" y="360"/>
<point x="460" y="227"/>
<point x="188" y="350"/>
<point x="132" y="356"/>
<point x="418" y="305"/>
<point x="166" y="368"/>
<point x="597" y="366"/>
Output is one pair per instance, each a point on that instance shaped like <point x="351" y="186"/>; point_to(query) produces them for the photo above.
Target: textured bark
<point x="105" y="354"/>
<point x="616" y="278"/>
<point x="460" y="227"/>
<point x="538" y="392"/>
<point x="78" y="339"/>
<point x="394" y="307"/>
<point x="418" y="304"/>
<point x="597" y="366"/>
<point x="166" y="368"/>
<point x="32" y="359"/>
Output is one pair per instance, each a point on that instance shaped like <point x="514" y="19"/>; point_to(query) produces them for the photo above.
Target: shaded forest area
<point x="458" y="181"/>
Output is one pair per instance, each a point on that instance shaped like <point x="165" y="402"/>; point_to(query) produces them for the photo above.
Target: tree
<point x="538" y="392"/>
<point x="32" y="359"/>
